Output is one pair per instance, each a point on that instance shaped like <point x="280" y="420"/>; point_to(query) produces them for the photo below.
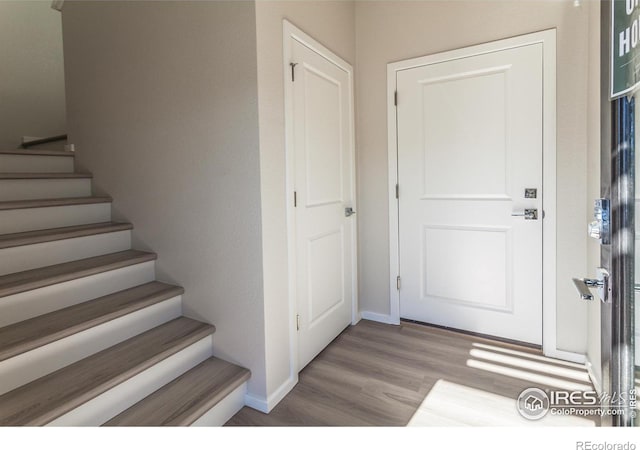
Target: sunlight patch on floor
<point x="527" y="364"/>
<point x="534" y="378"/>
<point x="557" y="362"/>
<point x="452" y="404"/>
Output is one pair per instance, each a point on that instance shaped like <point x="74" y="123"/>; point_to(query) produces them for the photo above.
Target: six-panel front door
<point x="324" y="186"/>
<point x="469" y="167"/>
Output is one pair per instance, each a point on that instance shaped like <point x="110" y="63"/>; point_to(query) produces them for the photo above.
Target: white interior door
<point x="469" y="145"/>
<point x="324" y="188"/>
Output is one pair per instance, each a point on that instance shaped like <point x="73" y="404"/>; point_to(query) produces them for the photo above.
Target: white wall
<point x="593" y="183"/>
<point x="389" y="31"/>
<point x="31" y="72"/>
<point x="163" y="109"/>
<point x="331" y="23"/>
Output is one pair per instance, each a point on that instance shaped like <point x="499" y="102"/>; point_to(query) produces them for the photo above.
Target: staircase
<point x="88" y="336"/>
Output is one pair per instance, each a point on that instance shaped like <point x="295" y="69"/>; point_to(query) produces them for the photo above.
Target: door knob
<point x="528" y="214"/>
<point x="349" y="212"/>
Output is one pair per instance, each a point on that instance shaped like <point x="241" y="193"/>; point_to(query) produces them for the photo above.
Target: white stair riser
<point x="107" y="405"/>
<point x="30" y="219"/>
<point x="25" y="257"/>
<point x="26" y="367"/>
<point x="33" y="189"/>
<point x="35" y="164"/>
<point x="25" y="305"/>
<point x="224" y="410"/>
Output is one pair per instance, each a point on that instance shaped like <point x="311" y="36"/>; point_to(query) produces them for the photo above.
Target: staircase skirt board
<point x="30" y="219"/>
<point x="26" y="257"/>
<point x="187" y="398"/>
<point x="14" y="162"/>
<point x="41" y="361"/>
<point x="32" y="189"/>
<point x="25" y="305"/>
<point x="78" y="383"/>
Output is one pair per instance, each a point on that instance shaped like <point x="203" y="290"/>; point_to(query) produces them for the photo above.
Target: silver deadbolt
<point x="349" y="212"/>
<point x="528" y="214"/>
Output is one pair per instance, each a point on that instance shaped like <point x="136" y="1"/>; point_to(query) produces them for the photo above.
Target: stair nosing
<point x="136" y="304"/>
<point x="37" y="152"/>
<point x="197" y="334"/>
<point x="51" y="202"/>
<point x="24" y="285"/>
<point x="12" y="240"/>
<point x="44" y="175"/>
<point x="193" y="412"/>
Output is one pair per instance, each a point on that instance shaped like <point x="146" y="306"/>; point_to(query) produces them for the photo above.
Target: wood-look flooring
<point x="383" y="375"/>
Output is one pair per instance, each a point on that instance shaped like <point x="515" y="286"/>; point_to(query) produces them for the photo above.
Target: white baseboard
<point x="265" y="405"/>
<point x="376" y="317"/>
<point x="566" y="356"/>
<point x="597" y="383"/>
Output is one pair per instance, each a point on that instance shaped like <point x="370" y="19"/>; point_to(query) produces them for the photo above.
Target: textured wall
<point x="163" y="109"/>
<point x="388" y="31"/>
<point x="31" y="72"/>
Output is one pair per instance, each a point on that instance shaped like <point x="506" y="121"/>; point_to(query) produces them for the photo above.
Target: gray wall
<point x="163" y="109"/>
<point x="31" y="72"/>
<point x="331" y="23"/>
<point x="389" y="31"/>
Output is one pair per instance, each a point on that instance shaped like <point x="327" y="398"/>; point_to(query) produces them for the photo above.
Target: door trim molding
<point x="548" y="40"/>
<point x="292" y="33"/>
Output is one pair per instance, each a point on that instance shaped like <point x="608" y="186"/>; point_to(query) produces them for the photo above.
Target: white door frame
<point x="292" y="33"/>
<point x="548" y="40"/>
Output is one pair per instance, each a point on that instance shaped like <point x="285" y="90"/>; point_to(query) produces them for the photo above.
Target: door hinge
<point x="395" y="98"/>
<point x="293" y="71"/>
<point x="295" y="199"/>
<point x="398" y="282"/>
<point x="397" y="191"/>
<point x="298" y="322"/>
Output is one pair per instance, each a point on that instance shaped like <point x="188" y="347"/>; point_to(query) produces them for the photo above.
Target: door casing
<point x="548" y="40"/>
<point x="292" y="33"/>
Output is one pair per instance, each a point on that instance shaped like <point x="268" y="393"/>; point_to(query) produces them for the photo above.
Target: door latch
<point x="584" y="286"/>
<point x="348" y="212"/>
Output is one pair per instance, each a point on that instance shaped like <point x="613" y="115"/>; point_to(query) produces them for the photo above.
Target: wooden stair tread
<point x="53" y="395"/>
<point x="49" y="202"/>
<point x="33" y="333"/>
<point x="185" y="399"/>
<point x="45" y="276"/>
<point x="42" y="175"/>
<point x="37" y="152"/>
<point x="56" y="234"/>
